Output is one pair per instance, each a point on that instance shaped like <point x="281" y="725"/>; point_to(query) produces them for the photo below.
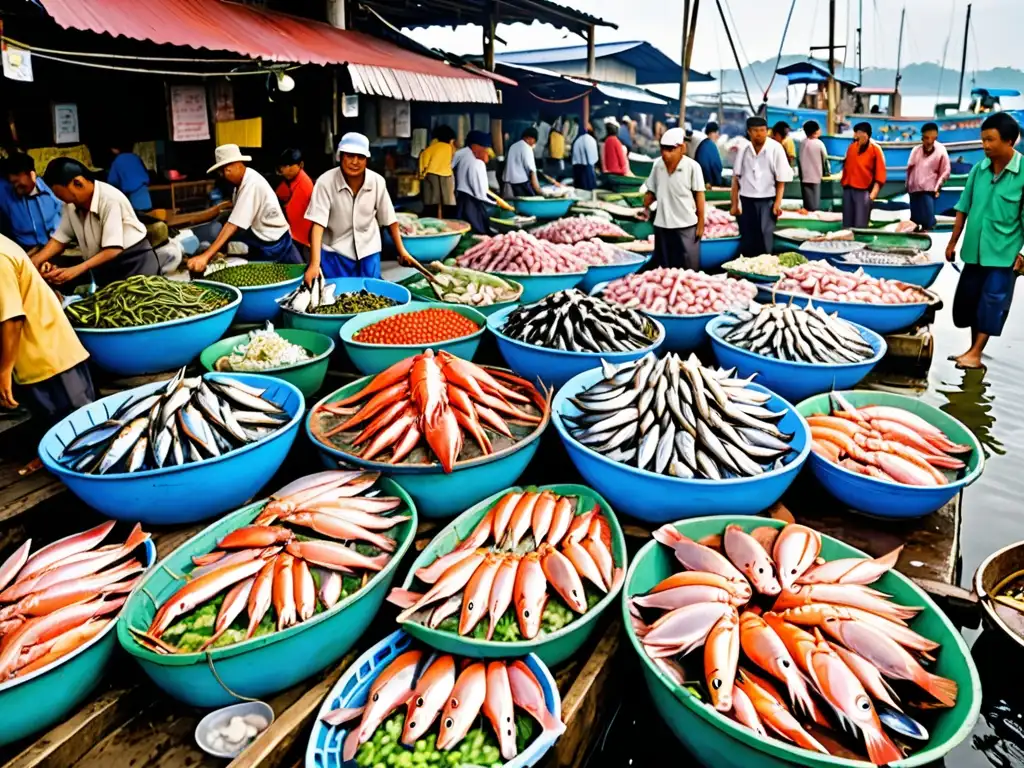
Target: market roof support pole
<point x="490" y="23"/>
<point x="831" y="114"/>
<point x="687" y="58"/>
<point x="591" y="66"/>
<point x="682" y="58"/>
<point x="963" y="58"/>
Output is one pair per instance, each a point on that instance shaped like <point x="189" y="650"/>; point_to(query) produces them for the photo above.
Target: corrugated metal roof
<point x="618" y="91"/>
<point x="453" y="13"/>
<point x="651" y="65"/>
<point x="377" y="67"/>
<point x="812" y="71"/>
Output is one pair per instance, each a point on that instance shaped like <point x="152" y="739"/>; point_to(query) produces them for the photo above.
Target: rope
<point x="213" y="670"/>
<point x="562" y="101"/>
<point x="785" y="30"/>
<point x="735" y="55"/>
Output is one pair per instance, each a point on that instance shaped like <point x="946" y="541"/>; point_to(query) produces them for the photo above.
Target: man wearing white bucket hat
<point x="349" y="206"/>
<point x="257" y="217"/>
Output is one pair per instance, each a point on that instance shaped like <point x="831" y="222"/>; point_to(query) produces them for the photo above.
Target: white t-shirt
<point x="674" y="192"/>
<point x="471" y="175"/>
<point x="759" y="172"/>
<point x="520" y="163"/>
<point x="258" y="209"/>
<point x="352" y="222"/>
<point x="110" y="222"/>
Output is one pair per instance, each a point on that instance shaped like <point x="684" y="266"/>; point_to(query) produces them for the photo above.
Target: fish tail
<point x="340" y="716"/>
<point x="403" y="598"/>
<point x="943" y="689"/>
<point x="881" y="749"/>
<point x="668" y="535"/>
<point x="352" y="743"/>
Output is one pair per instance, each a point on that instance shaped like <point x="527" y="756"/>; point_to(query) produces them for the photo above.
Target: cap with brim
<point x="354" y="144"/>
<point x="226" y="154"/>
<point x="673" y="137"/>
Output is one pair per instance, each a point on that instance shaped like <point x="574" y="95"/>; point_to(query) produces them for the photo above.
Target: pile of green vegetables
<point x="257" y="273"/>
<point x="791" y="259"/>
<point x="556" y="616"/>
<point x="144" y="300"/>
<point x="354" y="302"/>
<point x="478" y="748"/>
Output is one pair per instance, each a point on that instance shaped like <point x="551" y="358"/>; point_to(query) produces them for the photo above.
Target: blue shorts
<point x="333" y="264"/>
<point x="983" y="298"/>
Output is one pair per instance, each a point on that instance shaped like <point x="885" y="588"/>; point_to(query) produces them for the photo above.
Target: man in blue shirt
<point x="29" y="211"/>
<point x="128" y="173"/>
<point x="708" y="157"/>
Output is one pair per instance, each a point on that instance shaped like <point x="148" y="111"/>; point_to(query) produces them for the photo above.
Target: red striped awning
<point x="377" y="66"/>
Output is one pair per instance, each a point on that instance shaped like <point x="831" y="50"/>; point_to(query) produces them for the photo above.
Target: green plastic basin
<point x="553" y="648"/>
<point x="308" y="375"/>
<point x="265" y="665"/>
<point x="374" y="358"/>
<point x="722" y="742"/>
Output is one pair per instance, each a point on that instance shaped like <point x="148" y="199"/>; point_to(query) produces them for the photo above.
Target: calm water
<point x="992" y="517"/>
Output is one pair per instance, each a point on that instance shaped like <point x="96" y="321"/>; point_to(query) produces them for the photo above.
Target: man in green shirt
<point x="992" y="208"/>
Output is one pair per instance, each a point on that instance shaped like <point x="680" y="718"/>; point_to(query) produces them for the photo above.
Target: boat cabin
<point x="877" y="101"/>
<point x="983" y="101"/>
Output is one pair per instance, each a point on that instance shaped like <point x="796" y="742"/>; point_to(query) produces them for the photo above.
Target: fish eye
<point x="761" y="569"/>
<point x="716" y="683"/>
<point x="455" y="703"/>
<point x="793" y="571"/>
<point x="830" y="618"/>
<point x="526" y="614"/>
<point x="470" y="606"/>
<point x="785" y="663"/>
<point x="863" y="704"/>
<point x="412" y="724"/>
<point x="449" y="723"/>
<point x="376" y="696"/>
<point x="419" y="702"/>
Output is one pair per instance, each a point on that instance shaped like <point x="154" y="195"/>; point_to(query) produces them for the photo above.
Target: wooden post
<point x="963" y="58"/>
<point x="682" y="59"/>
<point x="591" y="66"/>
<point x="687" y="58"/>
<point x="490" y="22"/>
<point x="830" y="127"/>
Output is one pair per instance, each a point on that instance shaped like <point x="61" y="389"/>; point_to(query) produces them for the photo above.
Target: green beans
<point x="255" y="273"/>
<point x="144" y="300"/>
<point x="354" y="302"/>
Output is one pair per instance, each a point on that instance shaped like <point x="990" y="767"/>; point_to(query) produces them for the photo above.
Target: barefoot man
<point x="990" y="215"/>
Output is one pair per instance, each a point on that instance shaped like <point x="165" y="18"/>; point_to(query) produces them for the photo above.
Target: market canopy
<point x="996" y="93"/>
<point x="548" y="84"/>
<point x="377" y="67"/>
<point x="453" y="13"/>
<point x="651" y="65"/>
<point x="810" y="71"/>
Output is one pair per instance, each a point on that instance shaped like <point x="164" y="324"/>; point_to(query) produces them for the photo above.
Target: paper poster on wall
<point x="223" y="102"/>
<point x="65" y="124"/>
<point x="403" y="119"/>
<point x="189" y="119"/>
<point x="17" y="63"/>
<point x="350" y="105"/>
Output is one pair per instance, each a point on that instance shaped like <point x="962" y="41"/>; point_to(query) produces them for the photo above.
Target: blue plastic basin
<point x="261" y="666"/>
<point x="326" y="741"/>
<point x="47" y="696"/>
<point x="259" y="303"/>
<point x="426" y="248"/>
<point x="329" y="325"/>
<point x="659" y="498"/>
<point x="608" y="272"/>
<point x="880" y="497"/>
<point x="436" y="493"/>
<point x="536" y="287"/>
<point x="793" y="381"/>
<point x="714" y="252"/>
<point x="181" y="494"/>
<point x="162" y="346"/>
<point x="374" y="358"/>
<point x="555" y="366"/>
<point x="549" y="208"/>
<point x="881" y="318"/>
<point x="915" y="274"/>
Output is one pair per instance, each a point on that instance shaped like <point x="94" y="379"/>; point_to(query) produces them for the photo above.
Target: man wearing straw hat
<point x="349" y="206"/>
<point x="257" y="217"/>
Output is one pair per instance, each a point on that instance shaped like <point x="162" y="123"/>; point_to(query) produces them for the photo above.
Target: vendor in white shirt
<point x="470" y="167"/>
<point x="349" y="206"/>
<point x="256" y="218"/>
<point x="759" y="176"/>
<point x="521" y="167"/>
<point x="677" y="183"/>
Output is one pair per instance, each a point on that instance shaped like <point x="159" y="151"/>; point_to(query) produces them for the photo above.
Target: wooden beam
<point x="591" y="50"/>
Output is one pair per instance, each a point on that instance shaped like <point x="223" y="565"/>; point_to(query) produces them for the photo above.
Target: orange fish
<point x="721" y="657"/>
<point x="522" y="517"/>
<point x="796" y="549"/>
<point x="739" y="592"/>
<point x="463" y="706"/>
<point x="260" y="596"/>
<point x="775" y="715"/>
<point x="503" y="513"/>
<point x="560" y="520"/>
<point x="481" y="533"/>
<point x="304" y="589"/>
<point x="744" y="712"/>
<point x="477" y="593"/>
<point x="852" y="595"/>
<point x="530" y="594"/>
<point x="498" y="708"/>
<point x="431" y="573"/>
<point x="284" y="592"/>
<point x="598" y="546"/>
<point x="543" y="514"/>
<point x="452" y="581"/>
<point x="501" y="590"/>
<point x="564" y="578"/>
<point x="432" y="691"/>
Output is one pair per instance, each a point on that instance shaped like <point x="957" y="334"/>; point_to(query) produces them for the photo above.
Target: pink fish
<point x="796" y="549"/>
<point x="543" y="514"/>
<point x="744" y="712"/>
<point x="598" y="546"/>
<point x="304" y="590"/>
<point x="684" y="629"/>
<point x="453" y="580"/>
<point x="522" y="517"/>
<point x="530" y="594"/>
<point x="851" y="570"/>
<point x="232" y="607"/>
<point x="53" y="553"/>
<point x="330" y="554"/>
<point x="679" y="597"/>
<point x="478" y="592"/>
<point x="721" y="658"/>
<point x="584" y="564"/>
<point x="561" y="518"/>
<point x="480" y="535"/>
<point x="750" y="557"/>
<point x="284" y="592"/>
<point x="564" y="578"/>
<point x="501" y="590"/>
<point x="337" y="528"/>
<point x="431" y="573"/>
<point x="260" y="597"/>
<point x="432" y="691"/>
<point x="697" y="557"/>
<point x="503" y="513"/>
<point x="903" y="471"/>
<point x="331" y="586"/>
<point x="463" y="706"/>
<point x="529" y="696"/>
<point x="868" y="675"/>
<point x="853" y="595"/>
<point x="13" y="564"/>
<point x="498" y="708"/>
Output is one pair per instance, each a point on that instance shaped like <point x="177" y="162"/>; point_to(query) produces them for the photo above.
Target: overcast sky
<point x="998" y="30"/>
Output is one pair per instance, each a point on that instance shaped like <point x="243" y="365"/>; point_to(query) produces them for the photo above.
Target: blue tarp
<point x="810" y="71"/>
<point x="651" y="65"/>
<point x="995" y="92"/>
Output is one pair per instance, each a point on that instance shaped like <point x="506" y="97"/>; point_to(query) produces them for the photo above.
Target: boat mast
<point x="899" y="49"/>
<point x="860" y="30"/>
<point x="963" y="59"/>
<point x="682" y="57"/>
<point x="831" y="114"/>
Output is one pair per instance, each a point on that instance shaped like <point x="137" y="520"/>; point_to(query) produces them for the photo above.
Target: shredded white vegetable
<point x="265" y="350"/>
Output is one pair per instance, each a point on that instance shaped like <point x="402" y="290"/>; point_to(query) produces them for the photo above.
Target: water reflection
<point x="999" y="735"/>
<point x="969" y="402"/>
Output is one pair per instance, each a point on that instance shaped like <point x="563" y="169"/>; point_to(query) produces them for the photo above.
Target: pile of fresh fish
<point x="869" y="645"/>
<point x="58" y="598"/>
<point x="526" y="541"/>
<point x="808" y="235"/>
<point x="431" y="686"/>
<point x="885" y="442"/>
<point x="891" y="257"/>
<point x="455" y="285"/>
<point x="577" y="229"/>
<point x="433" y="400"/>
<point x="571" y="320"/>
<point x="821" y="280"/>
<point x="675" y="291"/>
<point x="676" y="417"/>
<point x="719" y="223"/>
<point x="518" y="253"/>
<point x="189" y="420"/>
<point x="307" y="298"/>
<point x="797" y="334"/>
<point x="316" y="541"/>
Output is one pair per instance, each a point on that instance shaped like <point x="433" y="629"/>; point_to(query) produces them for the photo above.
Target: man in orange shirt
<point x="294" y="193"/>
<point x="863" y="177"/>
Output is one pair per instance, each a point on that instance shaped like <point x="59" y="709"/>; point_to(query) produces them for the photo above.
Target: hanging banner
<point x="17" y="63"/>
<point x="190" y="120"/>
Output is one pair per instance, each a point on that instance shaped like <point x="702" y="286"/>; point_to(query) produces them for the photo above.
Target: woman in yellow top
<point x="436" y="169"/>
<point x="39" y="350"/>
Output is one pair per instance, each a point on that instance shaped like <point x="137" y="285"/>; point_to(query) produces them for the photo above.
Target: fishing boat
<point x="1000" y="573"/>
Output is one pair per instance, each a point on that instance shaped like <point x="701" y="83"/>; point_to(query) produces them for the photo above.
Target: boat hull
<point x="952" y="128"/>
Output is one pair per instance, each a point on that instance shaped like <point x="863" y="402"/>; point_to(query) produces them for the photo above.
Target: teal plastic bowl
<point x="552" y="648"/>
<point x="262" y="666"/>
<point x="722" y="742"/>
<point x="548" y="208"/>
<point x="605" y="273"/>
<point x="307" y="376"/>
<point x="715" y="251"/>
<point x="259" y="303"/>
<point x="438" y="494"/>
<point x="536" y="287"/>
<point x="425" y="248"/>
<point x="374" y="358"/>
<point x="47" y="696"/>
<point x="329" y="325"/>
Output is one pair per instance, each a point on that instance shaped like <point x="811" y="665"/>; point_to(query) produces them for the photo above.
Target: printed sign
<point x="189" y="119"/>
<point x="65" y="124"/>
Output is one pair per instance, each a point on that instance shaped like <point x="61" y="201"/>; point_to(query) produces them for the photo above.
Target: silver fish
<point x="137" y="455"/>
<point x="135" y="408"/>
<point x="122" y="444"/>
<point x="95" y="435"/>
<point x="244" y="397"/>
